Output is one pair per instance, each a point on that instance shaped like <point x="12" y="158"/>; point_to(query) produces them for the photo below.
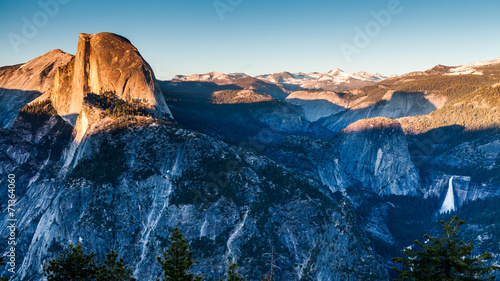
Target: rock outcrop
<point x="106" y="62"/>
<point x="374" y="152"/>
<point x="22" y="83"/>
<point x="392" y="105"/>
<point x="107" y="65"/>
<point x="317" y="105"/>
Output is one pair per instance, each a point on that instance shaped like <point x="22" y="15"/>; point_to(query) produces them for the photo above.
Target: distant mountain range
<point x="327" y="174"/>
<point x="333" y="80"/>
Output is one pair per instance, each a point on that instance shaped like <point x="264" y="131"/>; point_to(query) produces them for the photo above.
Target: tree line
<point x="444" y="258"/>
<point x="175" y="263"/>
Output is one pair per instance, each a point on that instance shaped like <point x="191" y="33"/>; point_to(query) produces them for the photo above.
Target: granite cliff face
<point x="319" y="104"/>
<point x="138" y="178"/>
<point x="106" y="62"/>
<point x="118" y="177"/>
<point x="392" y="105"/>
<point x="374" y="152"/>
<point x="370" y="155"/>
<point x="22" y="83"/>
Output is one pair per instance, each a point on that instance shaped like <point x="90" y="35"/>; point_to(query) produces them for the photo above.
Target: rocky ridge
<point x="23" y="83"/>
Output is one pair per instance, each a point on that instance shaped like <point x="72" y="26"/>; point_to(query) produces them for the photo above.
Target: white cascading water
<point x="449" y="201"/>
<point x="229" y="244"/>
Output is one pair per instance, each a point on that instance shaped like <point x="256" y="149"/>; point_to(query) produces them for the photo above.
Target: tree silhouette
<point x="113" y="269"/>
<point x="177" y="259"/>
<point x="73" y="265"/>
<point x="232" y="273"/>
<point x="445" y="258"/>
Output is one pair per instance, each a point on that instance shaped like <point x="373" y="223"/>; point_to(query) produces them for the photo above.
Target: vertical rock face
<point x="374" y="152"/>
<point x="106" y="62"/>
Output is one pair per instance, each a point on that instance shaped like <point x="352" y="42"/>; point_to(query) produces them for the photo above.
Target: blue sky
<point x="257" y="37"/>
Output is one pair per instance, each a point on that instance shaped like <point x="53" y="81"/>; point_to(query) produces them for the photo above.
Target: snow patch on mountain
<point x="335" y="79"/>
<point x="471" y="68"/>
<point x="336" y="76"/>
<point x="211" y="76"/>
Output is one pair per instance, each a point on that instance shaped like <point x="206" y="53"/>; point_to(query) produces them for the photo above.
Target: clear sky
<point x="257" y="36"/>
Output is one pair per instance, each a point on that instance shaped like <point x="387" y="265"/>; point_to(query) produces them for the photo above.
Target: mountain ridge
<point x="23" y="83"/>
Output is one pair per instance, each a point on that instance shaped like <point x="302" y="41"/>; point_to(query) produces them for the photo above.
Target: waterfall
<point x="449" y="201"/>
<point x="229" y="244"/>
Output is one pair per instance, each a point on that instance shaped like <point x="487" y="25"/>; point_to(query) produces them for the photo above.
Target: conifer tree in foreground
<point x="232" y="273"/>
<point x="73" y="265"/>
<point x="113" y="269"/>
<point x="445" y="258"/>
<point x="177" y="260"/>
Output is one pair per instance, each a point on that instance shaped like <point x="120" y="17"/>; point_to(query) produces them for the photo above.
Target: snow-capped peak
<point x="331" y="80"/>
<point x="363" y="75"/>
<point x="335" y="72"/>
<point x="211" y="76"/>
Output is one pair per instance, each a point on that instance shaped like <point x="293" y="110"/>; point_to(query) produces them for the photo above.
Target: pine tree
<point x="74" y="265"/>
<point x="232" y="273"/>
<point x="113" y="269"/>
<point x="177" y="260"/>
<point x="2" y="263"/>
<point x="445" y="258"/>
